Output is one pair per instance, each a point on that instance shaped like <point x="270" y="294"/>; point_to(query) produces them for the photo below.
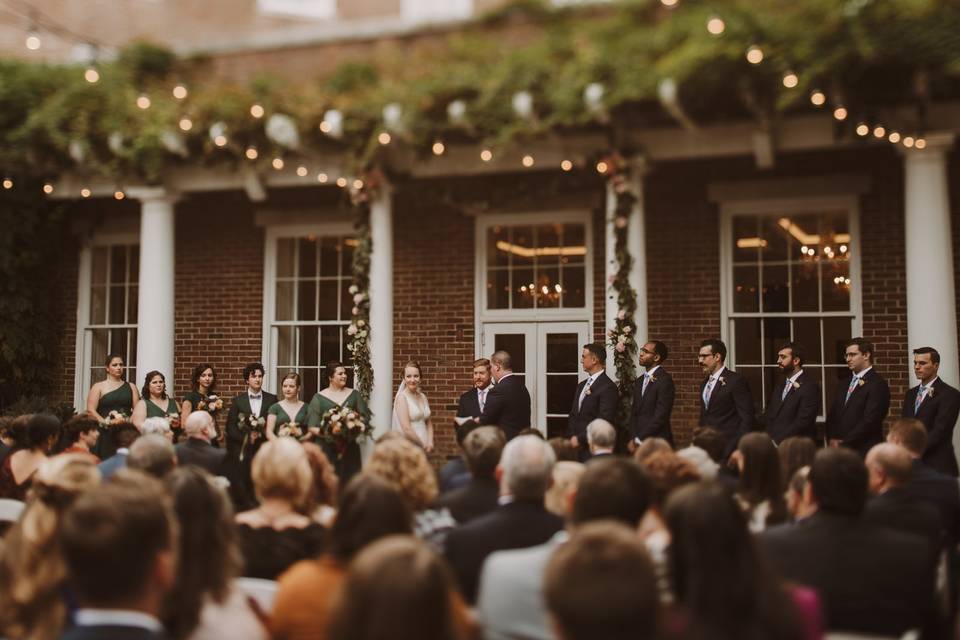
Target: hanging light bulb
<point x="252" y="153"/>
<point x="438" y="148"/>
<point x="790" y="80"/>
<point x="566" y="165"/>
<point x="527" y="161"/>
<point x="143" y="101"/>
<point x="486" y="155"/>
<point x="256" y="111"/>
<point x="754" y="55"/>
<point x="186" y="124"/>
<point x="818" y="98"/>
<point x="85" y="193"/>
<point x="716" y="26"/>
<point x="7" y="183"/>
<point x="179" y="92"/>
<point x="47" y="188"/>
<point x="840" y="113"/>
<point x="33" y="40"/>
<point x="879" y="132"/>
<point x="91" y="75"/>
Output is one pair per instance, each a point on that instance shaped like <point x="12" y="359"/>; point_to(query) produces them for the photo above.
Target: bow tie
<point x="256" y="397"/>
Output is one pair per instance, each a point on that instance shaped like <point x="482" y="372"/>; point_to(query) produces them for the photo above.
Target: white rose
<point x="352" y="330"/>
<point x="353" y="289"/>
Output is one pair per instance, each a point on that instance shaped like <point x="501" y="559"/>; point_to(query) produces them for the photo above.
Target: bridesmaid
<point x="155" y="403"/>
<point x="338" y="394"/>
<point x="289" y="405"/>
<point x="203" y="383"/>
<point x="112" y="394"/>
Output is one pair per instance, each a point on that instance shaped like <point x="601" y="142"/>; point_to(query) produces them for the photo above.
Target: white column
<point x="931" y="298"/>
<point x="381" y="308"/>
<point x="156" y="295"/>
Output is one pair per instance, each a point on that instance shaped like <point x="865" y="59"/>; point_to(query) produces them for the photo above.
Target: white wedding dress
<point x="419" y="410"/>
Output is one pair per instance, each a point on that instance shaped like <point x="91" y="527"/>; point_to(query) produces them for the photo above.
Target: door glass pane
<point x="745" y="239"/>
<point x="345" y="356"/>
<point x="803" y="234"/>
<point x="346" y="300"/>
<point x="575" y="243"/>
<point x="773" y="248"/>
<point x="98" y="305"/>
<point x="132" y="304"/>
<point x="515" y="345"/>
<point x="560" y="392"/>
<point x="754" y="376"/>
<point x="285" y="353"/>
<point x="805" y="286"/>
<point x="329" y="344"/>
<point x="310" y="377"/>
<point x="523" y="245"/>
<point x="498" y="241"/>
<point x="118" y="264"/>
<point x="548" y="287"/>
<point x="556" y="426"/>
<point x="134" y="273"/>
<point x="307" y="300"/>
<point x="834" y="378"/>
<point x="118" y="299"/>
<point x="563" y="353"/>
<point x="98" y="271"/>
<point x="328" y="299"/>
<point x="330" y="257"/>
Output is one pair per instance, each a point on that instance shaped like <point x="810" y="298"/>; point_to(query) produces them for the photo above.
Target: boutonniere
<point x="796" y="385"/>
<point x="930" y="392"/>
<point x="860" y="382"/>
<point x="587" y="391"/>
<point x="653" y="378"/>
<point x="722" y="381"/>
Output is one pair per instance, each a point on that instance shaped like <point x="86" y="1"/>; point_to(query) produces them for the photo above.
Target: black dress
<point x="268" y="552"/>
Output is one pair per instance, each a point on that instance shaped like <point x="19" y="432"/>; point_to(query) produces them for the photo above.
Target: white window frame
<point x="81" y="381"/>
<point x="780" y="207"/>
<point x="311" y="9"/>
<point x="427" y="11"/>
<point x="272" y="234"/>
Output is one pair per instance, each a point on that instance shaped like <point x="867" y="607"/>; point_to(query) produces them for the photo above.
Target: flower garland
<point x="359" y="329"/>
<point x="622" y="336"/>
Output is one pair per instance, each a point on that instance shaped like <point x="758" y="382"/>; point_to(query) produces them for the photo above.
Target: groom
<point x="253" y="401"/>
<point x="508" y="402"/>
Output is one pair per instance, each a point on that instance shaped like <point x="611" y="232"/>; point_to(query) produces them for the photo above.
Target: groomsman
<point x="508" y="404"/>
<point x="596" y="397"/>
<point x="653" y="395"/>
<point x="936" y="404"/>
<point x="725" y="400"/>
<point x="256" y="402"/>
<point x="473" y="401"/>
<point x="856" y="418"/>
<point x="793" y="408"/>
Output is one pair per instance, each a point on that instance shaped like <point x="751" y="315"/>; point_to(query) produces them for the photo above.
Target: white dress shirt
<point x="256" y="401"/>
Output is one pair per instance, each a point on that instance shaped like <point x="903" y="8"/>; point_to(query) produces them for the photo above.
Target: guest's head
<point x="407" y="586"/>
<point x="760" y="478"/>
<point x="531" y="431"/>
<point x="711" y="441"/>
<point x="910" y="434"/>
<point x="370" y="508"/>
<point x="652" y="354"/>
<point x="153" y="455"/>
<point x="858" y="354"/>
<point x="888" y="466"/>
<point x="838" y="478"/>
<point x="335" y="374"/>
<point x="481" y="373"/>
<point x="594" y="357"/>
<point x="253" y="376"/>
<point x="204" y="377"/>
<point x="500" y="365"/>
<point x="405" y="466"/>
<point x="159" y="427"/>
<point x="601" y="436"/>
<point x="612" y="488"/>
<point x="7" y="437"/>
<point x="125" y="434"/>
<point x="712" y="355"/>
<point x="668" y="472"/>
<point x="566" y="478"/>
<point x="701" y="461"/>
<point x="200" y="425"/>
<point x="281" y="471"/>
<point x="563" y="450"/>
<point x="526" y="468"/>
<point x="290" y="386"/>
<point x="799" y="495"/>
<point x="326" y="485"/>
<point x="584" y="585"/>
<point x="42" y="432"/>
<point x="482" y="449"/>
<point x="81" y="430"/>
<point x="926" y="364"/>
<point x="208" y="555"/>
<point x="119" y="543"/>
<point x="795" y="452"/>
<point x="154" y="385"/>
<point x="411" y="374"/>
<point x="650" y="447"/>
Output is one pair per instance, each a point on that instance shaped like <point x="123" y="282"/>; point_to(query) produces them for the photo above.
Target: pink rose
<point x="621" y="222"/>
<point x="358" y="298"/>
<point x="611" y="279"/>
<point x="355" y="311"/>
<point x="621" y="347"/>
<point x="621" y="314"/>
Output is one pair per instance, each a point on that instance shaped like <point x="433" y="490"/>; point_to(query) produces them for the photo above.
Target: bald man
<point x="890" y="467"/>
<point x="197" y="450"/>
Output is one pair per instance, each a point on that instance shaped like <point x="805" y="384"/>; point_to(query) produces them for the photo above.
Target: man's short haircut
<point x="660" y="348"/>
<point x="711" y="441"/>
<point x="527" y="464"/>
<point x="482" y="449"/>
<point x="864" y="345"/>
<point x="598" y="351"/>
<point x="197" y="422"/>
<point x="111" y="538"/>
<point x="251" y="368"/>
<point x="125" y="434"/>
<point x="482" y="362"/>
<point x="155" y="426"/>
<point x="563" y="450"/>
<point x="716" y="347"/>
<point x="584" y="585"/>
<point x="797" y="351"/>
<point x="612" y="488"/>
<point x="601" y="433"/>
<point x="502" y="358"/>
<point x="152" y="454"/>
<point x="894" y="460"/>
<point x="909" y="433"/>
<point x="934" y="354"/>
<point x="839" y="481"/>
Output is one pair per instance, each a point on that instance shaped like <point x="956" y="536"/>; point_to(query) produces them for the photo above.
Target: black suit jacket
<point x="899" y="510"/>
<point x="650" y="413"/>
<point x="469" y="407"/>
<point x="600" y="403"/>
<point x="938" y="413"/>
<point x="515" y="525"/>
<point x="467" y="503"/>
<point x="508" y="406"/>
<point x="241" y="404"/>
<point x="110" y="632"/>
<point x="795" y="415"/>
<point x="858" y="423"/>
<point x="730" y="410"/>
<point x="940" y="490"/>
<point x="201" y="454"/>
<point x="870" y="579"/>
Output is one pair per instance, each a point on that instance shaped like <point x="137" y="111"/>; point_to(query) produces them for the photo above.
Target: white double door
<point x="547" y="356"/>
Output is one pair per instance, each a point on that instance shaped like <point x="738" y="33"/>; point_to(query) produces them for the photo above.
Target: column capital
<point x="152" y="194"/>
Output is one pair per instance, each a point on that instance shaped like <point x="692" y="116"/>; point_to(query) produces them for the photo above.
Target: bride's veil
<point x="394" y="418"/>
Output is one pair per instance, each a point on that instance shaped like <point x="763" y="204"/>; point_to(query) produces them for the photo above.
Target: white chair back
<point x="10" y="510"/>
<point x="261" y="591"/>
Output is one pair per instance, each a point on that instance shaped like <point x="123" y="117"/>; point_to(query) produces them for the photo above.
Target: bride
<point x="411" y="411"/>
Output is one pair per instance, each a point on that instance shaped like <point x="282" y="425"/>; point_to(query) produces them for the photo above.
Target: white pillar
<point x="155" y="318"/>
<point x="381" y="308"/>
<point x="931" y="298"/>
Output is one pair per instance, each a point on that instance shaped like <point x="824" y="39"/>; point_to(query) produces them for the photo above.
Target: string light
<point x="91" y="75"/>
<point x="669" y="3"/>
<point x="862" y="129"/>
<point x="486" y="155"/>
<point x="566" y="165"/>
<point x="840" y="113"/>
<point x="879" y="132"/>
<point x="325" y="126"/>
<point x="33" y="40"/>
<point x="358" y="184"/>
<point x="252" y="153"/>
<point x="179" y="92"/>
<point x="186" y="124"/>
<point x="322" y="178"/>
<point x="818" y="98"/>
<point x="790" y="80"/>
<point x="47" y="188"/>
<point x="7" y="183"/>
<point x="143" y="101"/>
<point x="754" y="55"/>
<point x="908" y="142"/>
<point x="341" y="182"/>
<point x="527" y="161"/>
<point x="921" y="143"/>
<point x="602" y="167"/>
<point x="716" y="26"/>
<point x="277" y="163"/>
<point x="438" y="148"/>
<point x="256" y="111"/>
<point x="84" y="193"/>
<point x="302" y="171"/>
<point x="894" y="137"/>
<point x="220" y="141"/>
<point x="384" y="138"/>
<point x="119" y="195"/>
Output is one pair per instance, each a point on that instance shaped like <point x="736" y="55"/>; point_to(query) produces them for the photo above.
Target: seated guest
<point x="520" y="521"/>
<point x="322" y="503"/>
<point x="32" y="573"/>
<point x="584" y="586"/>
<point x="196" y="449"/>
<point x="795" y="452"/>
<point x="510" y="601"/>
<point x="370" y="509"/>
<point x="80" y="435"/>
<point x="124" y="435"/>
<point x="870" y="579"/>
<point x="650" y="447"/>
<point x="566" y="477"/>
<point x="204" y="604"/>
<point x="799" y="496"/>
<point x="37" y="439"/>
<point x="711" y="441"/>
<point x="601" y="438"/>
<point x="481" y="449"/>
<point x="7" y="439"/>
<point x="119" y="546"/>
<point x="701" y="461"/>
<point x="760" y="492"/>
<point x="398" y="588"/>
<point x="153" y="455"/>
<point x="723" y="588"/>
<point x="275" y="535"/>
<point x="157" y="426"/>
<point x="563" y="450"/>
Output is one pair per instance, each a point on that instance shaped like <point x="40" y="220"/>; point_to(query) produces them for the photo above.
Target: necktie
<point x="853" y="385"/>
<point x="583" y="394"/>
<point x="646" y="381"/>
<point x="707" y="390"/>
<point x="921" y="392"/>
<point x="786" y="390"/>
<point x="482" y="398"/>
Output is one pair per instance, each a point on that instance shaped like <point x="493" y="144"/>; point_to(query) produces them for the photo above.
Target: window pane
<point x="308" y="257"/>
<point x="117" y="313"/>
<point x="806" y="331"/>
<point x="563" y="353"/>
<point x="745" y="298"/>
<point x="98" y="271"/>
<point x="307" y="348"/>
<point x="346" y="300"/>
<point x="330" y="344"/>
<point x="347" y="246"/>
<point x="774" y="240"/>
<point x="548" y="244"/>
<point x="345" y="356"/>
<point x="836" y="285"/>
<point x="330" y="257"/>
<point x="776" y="333"/>
<point x="134" y="273"/>
<point x="816" y="373"/>
<point x="284" y="295"/>
<point x="515" y="345"/>
<point x="498" y="240"/>
<point x="803" y="232"/>
<point x="285" y="254"/>
<point x="118" y="264"/>
<point x="776" y="289"/>
<point x="498" y="289"/>
<point x="286" y="358"/>
<point x="310" y="387"/>
<point x="560" y="392"/>
<point x="754" y="376"/>
<point x="98" y="305"/>
<point x="132" y="304"/>
<point x="836" y="332"/>
<point x="745" y="239"/>
<point x="574" y="291"/>
<point x="522" y="245"/>
<point x="805" y="286"/>
<point x="747" y="340"/>
<point x="834" y="378"/>
<point x="99" y="348"/>
<point x="523" y="289"/>
<point x="574" y="240"/>
<point x="556" y="427"/>
<point x="548" y="285"/>
<point x="132" y="355"/>
<point x="328" y="299"/>
<point x="306" y="300"/>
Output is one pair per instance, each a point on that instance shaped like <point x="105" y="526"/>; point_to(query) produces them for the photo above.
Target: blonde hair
<point x="404" y="465"/>
<point x="32" y="571"/>
<point x="281" y="470"/>
<point x="566" y="477"/>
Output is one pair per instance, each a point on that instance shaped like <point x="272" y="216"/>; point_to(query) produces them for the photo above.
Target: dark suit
<point x="897" y="509"/>
<point x="796" y="414"/>
<point x="870" y="579"/>
<point x="940" y="490"/>
<point x="508" y="406"/>
<point x="469" y="407"/>
<point x="201" y="454"/>
<point x="600" y="402"/>
<point x="236" y="470"/>
<point x="515" y="525"/>
<point x="650" y="412"/>
<point x="477" y="498"/>
<point x="730" y="410"/>
<point x="858" y="422"/>
<point x="938" y="413"/>
<point x="110" y="632"/>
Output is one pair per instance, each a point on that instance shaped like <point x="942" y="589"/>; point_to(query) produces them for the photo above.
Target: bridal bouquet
<point x="211" y="404"/>
<point x="114" y="418"/>
<point x="252" y="428"/>
<point x="342" y="425"/>
<point x="290" y="430"/>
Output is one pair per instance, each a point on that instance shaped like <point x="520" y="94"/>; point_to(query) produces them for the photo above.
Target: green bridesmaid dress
<point x="120" y="399"/>
<point x="347" y="462"/>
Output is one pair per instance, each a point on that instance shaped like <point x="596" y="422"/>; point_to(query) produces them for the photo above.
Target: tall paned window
<point x="111" y="319"/>
<point x="790" y="279"/>
<point x="311" y="307"/>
